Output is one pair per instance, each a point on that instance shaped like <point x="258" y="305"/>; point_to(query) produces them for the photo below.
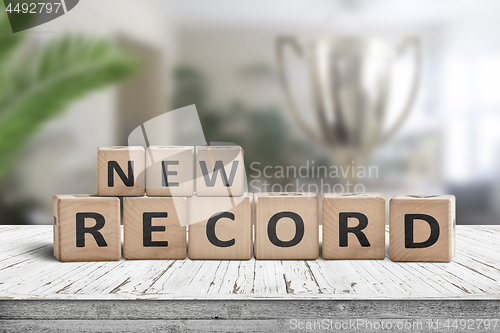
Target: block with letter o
<point x="286" y="226"/>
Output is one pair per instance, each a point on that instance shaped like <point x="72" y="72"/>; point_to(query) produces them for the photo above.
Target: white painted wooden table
<point x="240" y="290"/>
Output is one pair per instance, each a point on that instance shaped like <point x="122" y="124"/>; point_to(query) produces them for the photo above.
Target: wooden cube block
<point x="219" y="171"/>
<point x="120" y="171"/>
<point x="86" y="228"/>
<point x="154" y="227"/>
<point x="286" y="226"/>
<point x="422" y="228"/>
<point x="170" y="171"/>
<point x="354" y="226"/>
<point x="220" y="227"/>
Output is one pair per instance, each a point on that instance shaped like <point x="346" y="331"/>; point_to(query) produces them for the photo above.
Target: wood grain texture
<point x="302" y="205"/>
<point x="211" y="157"/>
<point x="439" y="207"/>
<point x="65" y="209"/>
<point x="28" y="270"/>
<point x="236" y="227"/>
<point x="287" y="324"/>
<point x="241" y="315"/>
<point x="172" y="228"/>
<point x="261" y="309"/>
<point x="371" y="205"/>
<point x="179" y="171"/>
<point x="122" y="155"/>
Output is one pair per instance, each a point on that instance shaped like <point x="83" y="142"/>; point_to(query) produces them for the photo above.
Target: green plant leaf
<point x="46" y="82"/>
<point x="8" y="40"/>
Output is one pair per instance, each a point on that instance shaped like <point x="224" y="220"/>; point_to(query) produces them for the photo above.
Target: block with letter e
<point x="422" y="228"/>
<point x="170" y="171"/>
<point x="120" y="171"/>
<point x="86" y="228"/>
<point x="154" y="227"/>
<point x="353" y="226"/>
<point x="220" y="227"/>
<point x="286" y="226"/>
<point x="219" y="171"/>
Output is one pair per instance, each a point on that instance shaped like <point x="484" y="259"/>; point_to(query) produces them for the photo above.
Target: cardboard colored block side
<point x="86" y="228"/>
<point x="422" y="228"/>
<point x="286" y="226"/>
<point x="220" y="171"/>
<point x="154" y="227"/>
<point x="170" y="171"/>
<point x="121" y="171"/>
<point x="220" y="228"/>
<point x="354" y="226"/>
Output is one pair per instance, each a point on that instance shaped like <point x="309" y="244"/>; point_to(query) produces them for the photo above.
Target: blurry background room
<point x="222" y="56"/>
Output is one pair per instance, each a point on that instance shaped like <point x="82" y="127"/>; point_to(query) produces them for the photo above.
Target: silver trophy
<point x="350" y="82"/>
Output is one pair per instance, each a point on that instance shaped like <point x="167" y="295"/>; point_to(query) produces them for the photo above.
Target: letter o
<point x="299" y="229"/>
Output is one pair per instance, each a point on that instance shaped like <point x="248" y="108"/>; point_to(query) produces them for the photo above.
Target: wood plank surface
<point x="245" y="315"/>
<point x="28" y="270"/>
<point x="234" y="325"/>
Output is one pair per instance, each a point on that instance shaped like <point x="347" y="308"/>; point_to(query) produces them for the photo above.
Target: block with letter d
<point x="220" y="227"/>
<point x="353" y="226"/>
<point x="286" y="226"/>
<point x="219" y="171"/>
<point x="86" y="228"/>
<point x="120" y="171"/>
<point x="422" y="228"/>
<point x="154" y="227"/>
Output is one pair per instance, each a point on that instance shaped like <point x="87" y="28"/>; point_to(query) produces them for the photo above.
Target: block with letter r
<point x="86" y="228"/>
<point x="353" y="226"/>
<point x="120" y="171"/>
<point x="422" y="228"/>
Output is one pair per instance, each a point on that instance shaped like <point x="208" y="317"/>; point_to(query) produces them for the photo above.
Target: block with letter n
<point x="86" y="228"/>
<point x="219" y="171"/>
<point x="422" y="228"/>
<point x="120" y="171"/>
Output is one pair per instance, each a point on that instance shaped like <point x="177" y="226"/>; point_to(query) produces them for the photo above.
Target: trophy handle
<point x="281" y="43"/>
<point x="415" y="44"/>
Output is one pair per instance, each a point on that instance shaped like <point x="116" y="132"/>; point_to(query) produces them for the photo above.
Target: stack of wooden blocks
<point x="203" y="188"/>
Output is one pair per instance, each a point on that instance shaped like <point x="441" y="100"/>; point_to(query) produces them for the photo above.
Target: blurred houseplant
<point x="39" y="82"/>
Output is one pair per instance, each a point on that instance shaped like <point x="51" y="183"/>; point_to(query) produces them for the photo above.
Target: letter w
<point x="219" y="166"/>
